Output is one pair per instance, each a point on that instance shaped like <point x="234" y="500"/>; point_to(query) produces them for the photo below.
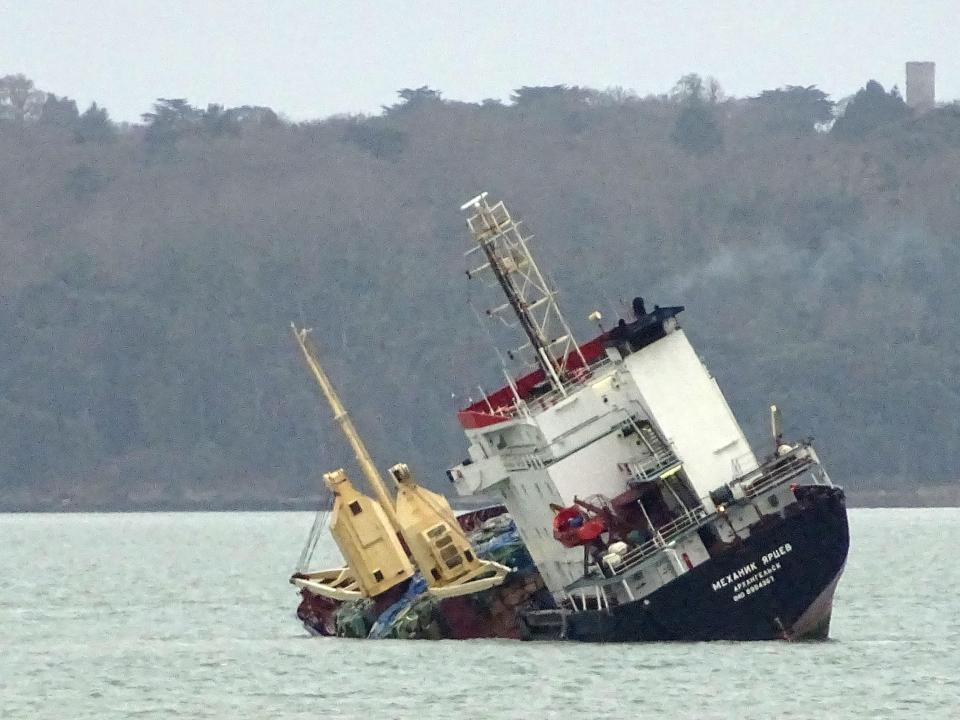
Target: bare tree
<point x="20" y="101"/>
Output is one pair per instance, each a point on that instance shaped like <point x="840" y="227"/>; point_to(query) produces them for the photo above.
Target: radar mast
<point x="529" y="295"/>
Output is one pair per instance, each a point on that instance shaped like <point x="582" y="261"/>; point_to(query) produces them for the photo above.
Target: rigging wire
<point x="317" y="529"/>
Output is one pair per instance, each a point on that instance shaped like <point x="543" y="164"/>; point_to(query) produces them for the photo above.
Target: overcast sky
<point x="310" y="59"/>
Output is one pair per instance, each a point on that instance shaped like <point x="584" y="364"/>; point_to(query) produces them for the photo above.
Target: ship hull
<point x="776" y="584"/>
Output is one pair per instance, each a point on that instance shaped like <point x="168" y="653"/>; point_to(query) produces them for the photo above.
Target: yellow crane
<point x="366" y="530"/>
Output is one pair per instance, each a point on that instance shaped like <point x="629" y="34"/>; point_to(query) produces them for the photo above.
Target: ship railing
<point x="549" y="399"/>
<point x="524" y="461"/>
<point x="652" y="467"/>
<point x="586" y="595"/>
<point x="575" y="378"/>
<point x="776" y="472"/>
<point x="661" y="538"/>
<point x="507" y="412"/>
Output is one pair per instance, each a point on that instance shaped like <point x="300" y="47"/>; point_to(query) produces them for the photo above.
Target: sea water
<point x="172" y="615"/>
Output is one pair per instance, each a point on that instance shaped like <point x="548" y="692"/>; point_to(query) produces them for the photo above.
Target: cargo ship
<point x="637" y="505"/>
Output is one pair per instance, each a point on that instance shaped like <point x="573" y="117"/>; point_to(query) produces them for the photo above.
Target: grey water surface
<point x="190" y="616"/>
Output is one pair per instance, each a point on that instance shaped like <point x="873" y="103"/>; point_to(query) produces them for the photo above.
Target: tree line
<point x="150" y="271"/>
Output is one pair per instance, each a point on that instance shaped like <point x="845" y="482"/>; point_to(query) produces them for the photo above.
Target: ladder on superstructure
<point x="529" y="295"/>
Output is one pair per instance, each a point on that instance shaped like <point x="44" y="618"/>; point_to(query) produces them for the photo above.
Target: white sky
<point x="310" y="59"/>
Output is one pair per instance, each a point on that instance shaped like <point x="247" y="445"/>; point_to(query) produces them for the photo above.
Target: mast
<point x="346" y="425"/>
<point x="529" y="295"/>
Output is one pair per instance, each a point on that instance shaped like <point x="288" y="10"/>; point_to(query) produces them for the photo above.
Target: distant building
<point x="920" y="85"/>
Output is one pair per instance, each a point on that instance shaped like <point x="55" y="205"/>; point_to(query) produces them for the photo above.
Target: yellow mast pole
<point x="346" y="424"/>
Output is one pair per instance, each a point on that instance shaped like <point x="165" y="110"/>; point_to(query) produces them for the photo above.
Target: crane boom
<point x="437" y="544"/>
<point x="342" y="417"/>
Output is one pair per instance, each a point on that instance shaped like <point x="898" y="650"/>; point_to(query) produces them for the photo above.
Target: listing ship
<point x="633" y="486"/>
<point x="635" y="508"/>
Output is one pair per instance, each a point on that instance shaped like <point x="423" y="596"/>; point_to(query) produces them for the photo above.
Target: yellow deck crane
<point x="366" y="530"/>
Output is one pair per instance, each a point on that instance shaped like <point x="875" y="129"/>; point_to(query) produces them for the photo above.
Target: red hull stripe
<point x="471" y="420"/>
<point x="479" y="415"/>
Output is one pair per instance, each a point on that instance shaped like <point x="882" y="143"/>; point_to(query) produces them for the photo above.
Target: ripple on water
<point x="190" y="616"/>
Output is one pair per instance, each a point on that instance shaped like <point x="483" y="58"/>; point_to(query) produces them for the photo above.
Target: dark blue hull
<point x="777" y="584"/>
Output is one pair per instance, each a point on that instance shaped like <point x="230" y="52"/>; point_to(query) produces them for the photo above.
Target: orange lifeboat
<point x="572" y="527"/>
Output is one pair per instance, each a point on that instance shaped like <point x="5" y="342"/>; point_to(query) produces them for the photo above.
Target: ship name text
<point x="735" y="575"/>
<point x="753" y="576"/>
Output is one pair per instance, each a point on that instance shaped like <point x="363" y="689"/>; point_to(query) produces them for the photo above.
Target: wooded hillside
<point x="149" y="274"/>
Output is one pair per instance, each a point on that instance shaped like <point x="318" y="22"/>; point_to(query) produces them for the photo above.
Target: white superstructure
<point x="633" y="414"/>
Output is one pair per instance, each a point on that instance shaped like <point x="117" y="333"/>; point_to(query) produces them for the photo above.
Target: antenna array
<point x="529" y="297"/>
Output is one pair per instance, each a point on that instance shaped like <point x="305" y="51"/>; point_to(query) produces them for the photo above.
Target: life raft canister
<point x="572" y="527"/>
